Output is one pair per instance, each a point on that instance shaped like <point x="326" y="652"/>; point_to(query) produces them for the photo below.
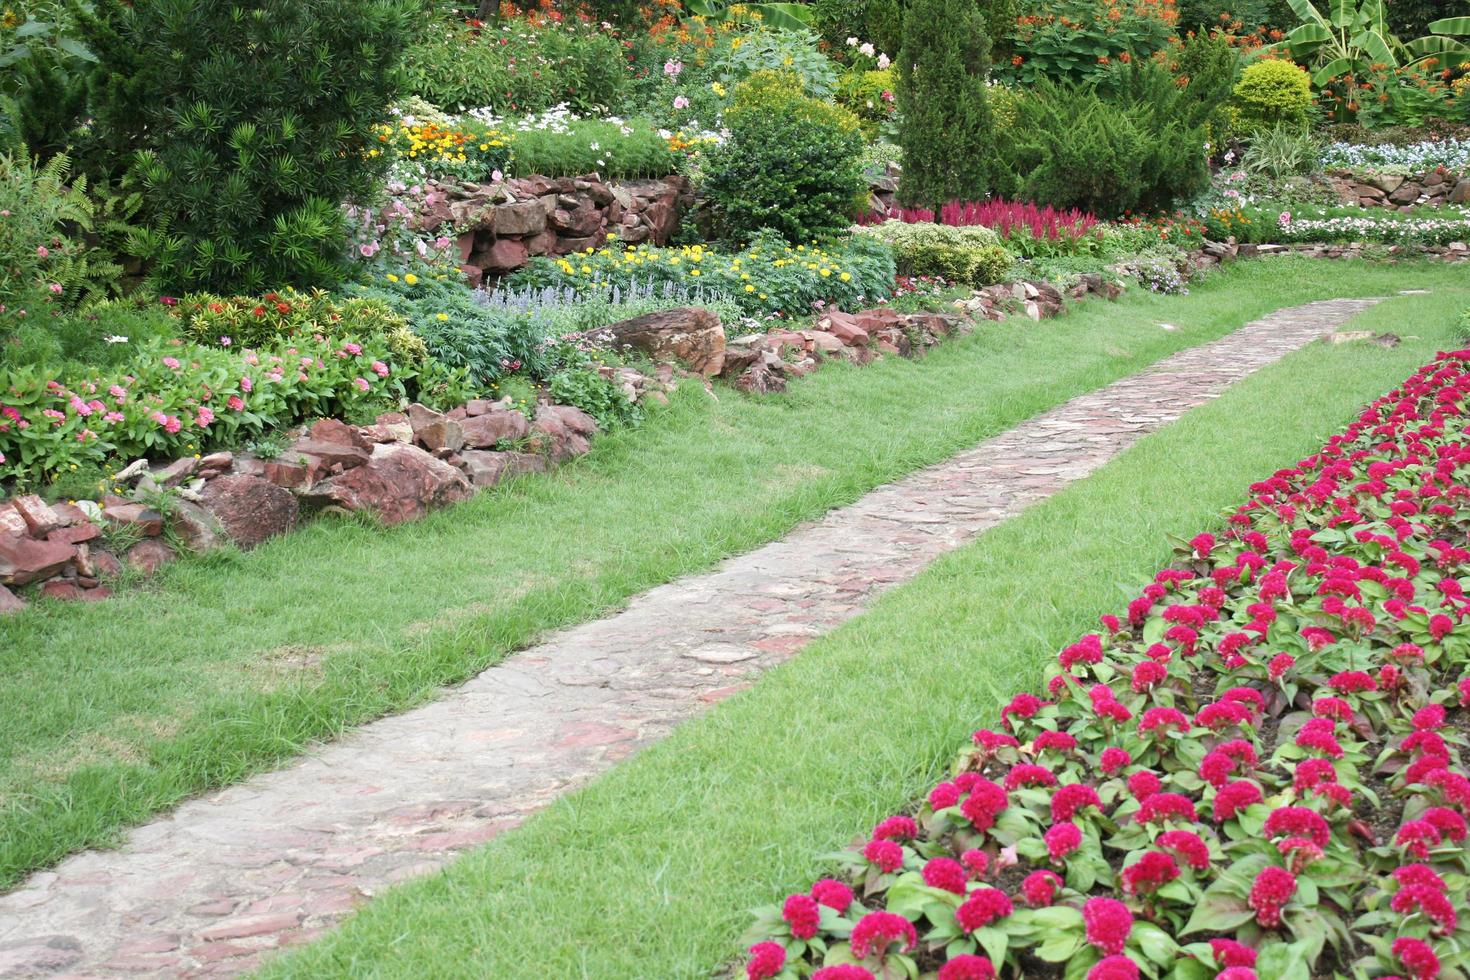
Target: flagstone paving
<point x="223" y="880"/>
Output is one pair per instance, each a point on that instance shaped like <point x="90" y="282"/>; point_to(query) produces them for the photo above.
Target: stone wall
<point x="1400" y="191"/>
<point x="501" y="225"/>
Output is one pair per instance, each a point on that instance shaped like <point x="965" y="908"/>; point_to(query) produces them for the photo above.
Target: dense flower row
<point x="1452" y="154"/>
<point x="1253" y="772"/>
<point x="1266" y="223"/>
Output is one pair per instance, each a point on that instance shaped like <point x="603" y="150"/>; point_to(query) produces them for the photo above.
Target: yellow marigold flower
<point x="749" y="288"/>
<point x="392" y="277"/>
<point x="441" y="316"/>
<point x="846" y="277"/>
<point x="586" y="268"/>
<point x="411" y="279"/>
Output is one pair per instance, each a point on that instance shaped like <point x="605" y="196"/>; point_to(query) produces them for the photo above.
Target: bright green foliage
<point x="248" y="123"/>
<point x="616" y="150"/>
<point x="945" y="126"/>
<point x="970" y="254"/>
<point x="869" y="95"/>
<point x="1349" y="37"/>
<point x="795" y="52"/>
<point x="791" y="163"/>
<point x="1137" y="144"/>
<point x="1208" y="14"/>
<point x="458" y="66"/>
<point x="272" y="319"/>
<point x="1272" y="91"/>
<point x="1077" y="40"/>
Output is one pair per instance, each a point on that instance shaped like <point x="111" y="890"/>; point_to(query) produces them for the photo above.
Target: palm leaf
<point x="1333" y="68"/>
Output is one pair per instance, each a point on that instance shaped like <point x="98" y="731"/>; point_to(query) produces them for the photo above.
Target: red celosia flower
<point x="1166" y="806"/>
<point x="1279" y="665"/>
<point x="1147" y="674"/>
<point x="1450" y="824"/>
<point x="1273" y="888"/>
<point x="802" y="915"/>
<point x="1021" y="706"/>
<point x="1311" y="772"/>
<point x="1062" y="839"/>
<point x="1143" y="784"/>
<point x="1418" y="874"/>
<point x="1114" y="968"/>
<point x="1060" y="741"/>
<point x="876" y="931"/>
<point x="1352" y="682"/>
<point x="1222" y="715"/>
<point x="885" y="855"/>
<point x="975" y="862"/>
<point x="944" y="795"/>
<point x="766" y="960"/>
<point x="1237" y="973"/>
<point x="1335" y="709"/>
<point x="1234" y="797"/>
<point x="1108" y="923"/>
<point x="983" y="907"/>
<point x="1298" y="852"/>
<point x="1149" y="873"/>
<point x="843" y="971"/>
<point x="1229" y="952"/>
<point x="1417" y="837"/>
<point x="1158" y="721"/>
<point x="984" y="803"/>
<point x="1418" y="958"/>
<point x="1216" y="768"/>
<point x="1429" y="717"/>
<point x="1113" y="760"/>
<point x="896" y="828"/>
<point x="945" y="873"/>
<point x="1428" y="901"/>
<point x="990" y="741"/>
<point x="1029" y="775"/>
<point x="833" y="894"/>
<point x="967" y="966"/>
<point x="1071" y="798"/>
<point x="1188" y="845"/>
<point x="1040" y="888"/>
<point x="1298" y="821"/>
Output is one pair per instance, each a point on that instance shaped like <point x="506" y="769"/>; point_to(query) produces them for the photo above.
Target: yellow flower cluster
<point x="433" y="143"/>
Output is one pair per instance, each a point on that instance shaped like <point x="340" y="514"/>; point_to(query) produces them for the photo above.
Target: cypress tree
<point x="946" y="131"/>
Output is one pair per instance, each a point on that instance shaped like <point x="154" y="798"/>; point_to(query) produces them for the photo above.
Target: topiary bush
<point x="248" y="124"/>
<point x="1272" y="92"/>
<point x="970" y="254"/>
<point x="792" y="163"/>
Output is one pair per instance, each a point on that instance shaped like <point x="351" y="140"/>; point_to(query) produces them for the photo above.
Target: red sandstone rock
<point x="10" y="602"/>
<point x="338" y="433"/>
<point x="149" y="555"/>
<point x="486" y="469"/>
<point x="485" y="430"/>
<point x="689" y="334"/>
<point x="38" y="516"/>
<point x="399" y="483"/>
<point x="250" y="509"/>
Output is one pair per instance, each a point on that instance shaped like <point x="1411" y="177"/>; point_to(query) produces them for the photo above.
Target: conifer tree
<point x="946" y="131"/>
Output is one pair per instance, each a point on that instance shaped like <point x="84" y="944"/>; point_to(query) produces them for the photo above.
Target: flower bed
<point x="1274" y="224"/>
<point x="1252" y="772"/>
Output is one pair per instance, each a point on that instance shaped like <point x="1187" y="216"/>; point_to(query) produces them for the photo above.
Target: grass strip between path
<point x="231" y="663"/>
<point x="649" y="871"/>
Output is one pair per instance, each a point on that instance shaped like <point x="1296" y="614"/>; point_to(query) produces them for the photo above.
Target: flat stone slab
<point x="212" y="887"/>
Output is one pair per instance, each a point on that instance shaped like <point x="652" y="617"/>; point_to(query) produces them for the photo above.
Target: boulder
<point x="195" y="526"/>
<point x="844" y="326"/>
<point x="149" y="555"/>
<point x="176" y="472"/>
<point x="333" y="432"/>
<point x="486" y="469"/>
<point x="250" y="509"/>
<point x="691" y="335"/>
<point x="560" y="432"/>
<point x="399" y="483"/>
<point x="1461" y="193"/>
<point x="760" y="379"/>
<point x="37" y="515"/>
<point x="523" y="218"/>
<point x="24" y="559"/>
<point x="434" y="430"/>
<point x="10" y="602"/>
<point x="71" y="592"/>
<point x="76" y="533"/>
<point x="499" y="424"/>
<point x="140" y="516"/>
<point x="504" y="255"/>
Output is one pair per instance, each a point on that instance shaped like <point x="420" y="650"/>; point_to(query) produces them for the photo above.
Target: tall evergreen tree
<point x="945" y="128"/>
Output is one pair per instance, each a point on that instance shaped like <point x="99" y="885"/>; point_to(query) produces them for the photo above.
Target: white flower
<point x="852" y="42"/>
<point x="883" y="62"/>
<point x="115" y="339"/>
<point x="868" y="50"/>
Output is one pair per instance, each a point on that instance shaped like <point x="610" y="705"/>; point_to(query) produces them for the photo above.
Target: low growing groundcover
<point x="225" y="665"/>
<point x="651" y="870"/>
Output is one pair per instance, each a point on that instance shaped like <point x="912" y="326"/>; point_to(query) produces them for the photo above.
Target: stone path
<point x="223" y="880"/>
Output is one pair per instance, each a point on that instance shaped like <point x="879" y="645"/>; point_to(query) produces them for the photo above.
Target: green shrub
<point x="1273" y="92"/>
<point x="1209" y="14"/>
<point x="1080" y="40"/>
<point x="272" y="319"/>
<point x="884" y="22"/>
<point x="615" y="149"/>
<point x="582" y="386"/>
<point x="98" y="336"/>
<point x="250" y="122"/>
<point x="791" y="162"/>
<point x="1138" y="143"/>
<point x="786" y="51"/>
<point x="945" y="126"/>
<point x="869" y="96"/>
<point x="962" y="254"/>
<point x="516" y="67"/>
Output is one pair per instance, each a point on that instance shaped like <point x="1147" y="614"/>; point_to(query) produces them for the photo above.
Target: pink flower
<point x="1273" y="888"/>
<point x="1039" y="888"/>
<point x="1418" y="958"/>
<point x="1108" y="923"/>
<point x="885" y="855"/>
<point x="802" y="915"/>
<point x="172" y="363"/>
<point x="766" y="960"/>
<point x="843" y="971"/>
<point x="833" y="894"/>
<point x="945" y="873"/>
<point x="361" y="384"/>
<point x="967" y="966"/>
<point x="204" y="416"/>
<point x="1114" y="968"/>
<point x="42" y="251"/>
<point x="983" y="907"/>
<point x="673" y="67"/>
<point x="55" y="288"/>
<point x="380" y="369"/>
<point x="1061" y="840"/>
<point x="876" y="931"/>
<point x="236" y="403"/>
<point x="680" y="102"/>
<point x="896" y="828"/>
<point x="246" y="385"/>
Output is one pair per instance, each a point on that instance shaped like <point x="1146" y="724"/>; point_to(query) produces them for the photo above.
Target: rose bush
<point x="1253" y="772"/>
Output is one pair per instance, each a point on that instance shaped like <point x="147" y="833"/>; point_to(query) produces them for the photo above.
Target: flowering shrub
<point x="176" y="398"/>
<point x="462" y="148"/>
<point x="768" y="276"/>
<point x="1253" y="771"/>
<point x="1077" y="40"/>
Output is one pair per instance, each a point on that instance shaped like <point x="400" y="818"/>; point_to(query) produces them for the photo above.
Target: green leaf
<point x="1060" y="948"/>
<point x="1283" y="961"/>
<point x="993" y="941"/>
<point x="1218" y="913"/>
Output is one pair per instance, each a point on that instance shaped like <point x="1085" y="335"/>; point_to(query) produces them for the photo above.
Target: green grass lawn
<point x="231" y="663"/>
<point x="649" y="871"/>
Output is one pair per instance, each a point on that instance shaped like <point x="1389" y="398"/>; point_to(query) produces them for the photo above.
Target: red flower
<point x="1166" y="806"/>
<point x="833" y="894"/>
<point x="1273" y="888"/>
<point x="1114" y="968"/>
<point x="1187" y="845"/>
<point x="1113" y="760"/>
<point x="967" y="966"/>
<point x="1149" y="873"/>
<point x="1143" y="784"/>
<point x="1039" y="888"/>
<point x="944" y="795"/>
<point x="1073" y="797"/>
<point x="1108" y="923"/>
<point x="843" y="971"/>
<point x="766" y="960"/>
<point x="1029" y="775"/>
<point x="802" y="915"/>
<point x="945" y="873"/>
<point x="984" y="803"/>
<point x="1228" y="953"/>
<point x="1428" y="901"/>
<point x="896" y="828"/>
<point x="1417" y="837"/>
<point x="1062" y="839"/>
<point x="1158" y="721"/>
<point x="876" y="931"/>
<point x="975" y="862"/>
<point x="983" y="907"/>
<point x="1298" y="821"/>
<point x="884" y="854"/>
<point x="1418" y="958"/>
<point x="1418" y="874"/>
